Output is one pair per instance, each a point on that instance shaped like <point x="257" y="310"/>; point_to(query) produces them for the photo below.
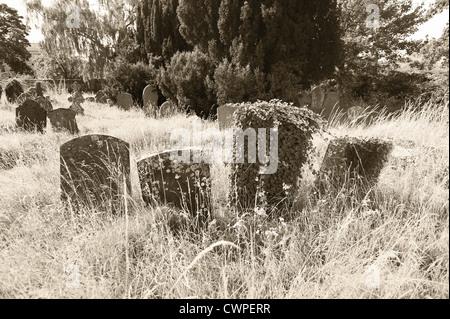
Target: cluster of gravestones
<point x="34" y="108"/>
<point x="346" y="159"/>
<point x="95" y="173"/>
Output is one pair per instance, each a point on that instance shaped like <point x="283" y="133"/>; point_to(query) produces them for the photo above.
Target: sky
<point x="432" y="29"/>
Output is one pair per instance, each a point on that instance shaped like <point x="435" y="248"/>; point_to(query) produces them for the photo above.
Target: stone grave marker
<point x="150" y="96"/>
<point x="225" y="116"/>
<point x="101" y="97"/>
<point x="90" y="99"/>
<point x="353" y="159"/>
<point x="166" y="109"/>
<point x="331" y="105"/>
<point x="64" y="119"/>
<point x="30" y="116"/>
<point x="13" y="90"/>
<point x="95" y="172"/>
<point x="185" y="186"/>
<point x="125" y="101"/>
<point x="318" y="98"/>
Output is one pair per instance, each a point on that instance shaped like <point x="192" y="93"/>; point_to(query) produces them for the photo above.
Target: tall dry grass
<point x="325" y="248"/>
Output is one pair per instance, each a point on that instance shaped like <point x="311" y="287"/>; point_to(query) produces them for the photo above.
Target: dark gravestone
<point x="185" y="186"/>
<point x="95" y="173"/>
<point x="351" y="160"/>
<point x="12" y="91"/>
<point x="31" y="117"/>
<point x="90" y="99"/>
<point x="125" y="101"/>
<point x="101" y="97"/>
<point x="63" y="119"/>
<point x="331" y="105"/>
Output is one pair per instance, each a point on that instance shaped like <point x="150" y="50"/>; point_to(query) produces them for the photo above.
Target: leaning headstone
<point x="125" y="101"/>
<point x="31" y="117"/>
<point x="95" y="173"/>
<point x="167" y="181"/>
<point x="13" y="90"/>
<point x="90" y="99"/>
<point x="44" y="103"/>
<point x="150" y="96"/>
<point x="351" y="160"/>
<point x="225" y="115"/>
<point x="101" y="97"/>
<point x="63" y="119"/>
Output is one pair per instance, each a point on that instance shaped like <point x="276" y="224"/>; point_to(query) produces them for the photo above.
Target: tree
<point x="57" y="64"/>
<point x="13" y="42"/>
<point x="97" y="35"/>
<point x="377" y="35"/>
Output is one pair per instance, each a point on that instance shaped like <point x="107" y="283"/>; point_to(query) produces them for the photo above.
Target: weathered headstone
<point x="225" y="115"/>
<point x="90" y="99"/>
<point x="150" y="96"/>
<point x="30" y="116"/>
<point x="63" y="119"/>
<point x="352" y="159"/>
<point x="182" y="185"/>
<point x="12" y="91"/>
<point x="101" y="97"/>
<point x="76" y="99"/>
<point x="95" y="172"/>
<point x="125" y="101"/>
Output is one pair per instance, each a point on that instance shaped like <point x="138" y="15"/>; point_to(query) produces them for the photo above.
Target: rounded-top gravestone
<point x="95" y="173"/>
<point x="150" y="96"/>
<point x="13" y="90"/>
<point x="225" y="115"/>
<point x="31" y="117"/>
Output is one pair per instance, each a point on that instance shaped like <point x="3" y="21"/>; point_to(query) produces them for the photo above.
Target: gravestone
<point x="44" y="103"/>
<point x="90" y="99"/>
<point x="1" y="91"/>
<point x="166" y="109"/>
<point x="63" y="119"/>
<point x="353" y="159"/>
<point x="76" y="99"/>
<point x="331" y="105"/>
<point x="185" y="186"/>
<point x="30" y="116"/>
<point x="125" y="101"/>
<point x="318" y="98"/>
<point x="13" y="90"/>
<point x="101" y="97"/>
<point x="150" y="96"/>
<point x="225" y="115"/>
<point x="95" y="172"/>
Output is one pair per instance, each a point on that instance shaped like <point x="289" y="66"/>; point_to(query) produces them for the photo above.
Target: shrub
<point x="188" y="80"/>
<point x="235" y="84"/>
<point x="129" y="78"/>
<point x="295" y="129"/>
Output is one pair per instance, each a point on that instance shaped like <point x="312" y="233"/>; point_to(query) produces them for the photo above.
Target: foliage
<point x="129" y="78"/>
<point x="13" y="42"/>
<point x="96" y="34"/>
<point x="187" y="80"/>
<point x="57" y="64"/>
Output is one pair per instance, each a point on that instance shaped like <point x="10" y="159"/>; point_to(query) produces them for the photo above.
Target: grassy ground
<point x="333" y="247"/>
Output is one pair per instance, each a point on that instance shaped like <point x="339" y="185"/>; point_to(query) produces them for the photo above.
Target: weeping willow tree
<point x="97" y="34"/>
